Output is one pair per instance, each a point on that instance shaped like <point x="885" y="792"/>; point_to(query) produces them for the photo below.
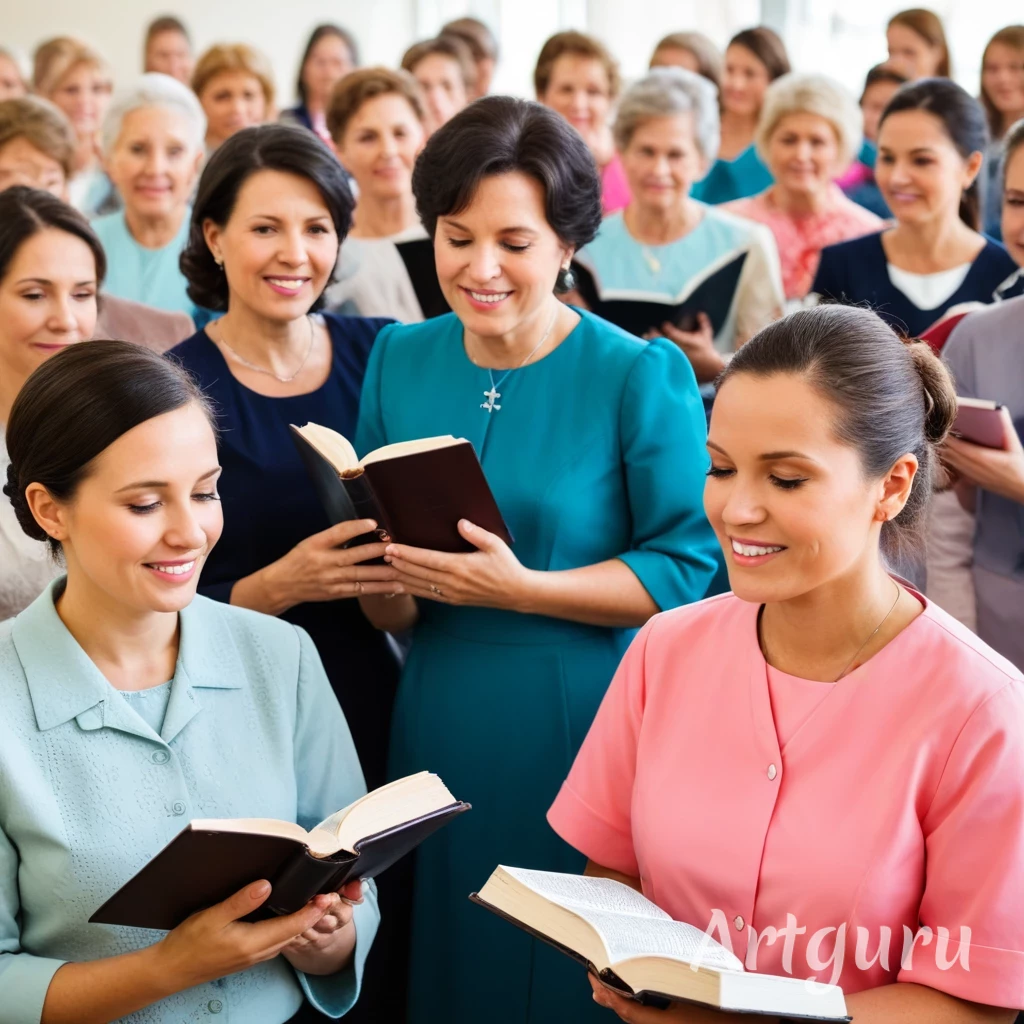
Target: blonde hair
<point x="357" y="87"/>
<point x="55" y="59"/>
<point x="234" y="57"/>
<point x="820" y="95"/>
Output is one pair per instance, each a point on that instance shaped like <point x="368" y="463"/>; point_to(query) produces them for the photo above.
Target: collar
<point x="64" y="683"/>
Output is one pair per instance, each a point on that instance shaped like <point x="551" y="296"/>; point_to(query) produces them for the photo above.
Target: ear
<point x="972" y="167"/>
<point x="896" y="487"/>
<point x="200" y="156"/>
<point x="568" y="251"/>
<point x="211" y="234"/>
<point x="49" y="513"/>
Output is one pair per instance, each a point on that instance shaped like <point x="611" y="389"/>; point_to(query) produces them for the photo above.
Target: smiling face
<point x="380" y="145"/>
<point x="803" y="153"/>
<point x="154" y="162"/>
<point x="278" y="247"/>
<point x="444" y="89"/>
<point x="232" y="100"/>
<point x="169" y="53"/>
<point x="329" y="60"/>
<point x="789" y="503"/>
<point x="662" y="161"/>
<point x="142" y="521"/>
<point x="22" y="164"/>
<point x="47" y="301"/>
<point x="579" y="90"/>
<point x="744" y="81"/>
<point x="1002" y="79"/>
<point x="83" y="94"/>
<point x="912" y="53"/>
<point x="12" y="85"/>
<point x="1013" y="207"/>
<point x="498" y="259"/>
<point x="919" y="170"/>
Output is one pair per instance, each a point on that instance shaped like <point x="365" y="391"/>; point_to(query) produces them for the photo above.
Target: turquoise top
<point x="89" y="792"/>
<point x="150" y="705"/>
<point x="727" y="180"/>
<point x="149" y="276"/>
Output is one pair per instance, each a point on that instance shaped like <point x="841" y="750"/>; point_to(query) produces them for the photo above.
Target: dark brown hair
<point x="928" y="25"/>
<point x="451" y="47"/>
<point x="322" y="32"/>
<point x="576" y="44"/>
<point x="766" y="45"/>
<point x="77" y="404"/>
<point x="1012" y="36"/>
<point x="357" y="87"/>
<point x="890" y="397"/>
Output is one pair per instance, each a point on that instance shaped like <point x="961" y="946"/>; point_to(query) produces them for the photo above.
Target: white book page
<point x="628" y="938"/>
<point x="579" y="892"/>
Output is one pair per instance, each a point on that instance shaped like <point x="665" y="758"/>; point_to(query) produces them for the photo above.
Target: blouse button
<point x="160" y="757"/>
<point x="738" y="922"/>
<point x="215" y="1006"/>
<point x="772" y="772"/>
<point x="178" y="807"/>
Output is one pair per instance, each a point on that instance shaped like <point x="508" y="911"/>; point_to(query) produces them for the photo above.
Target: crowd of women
<point x="756" y="648"/>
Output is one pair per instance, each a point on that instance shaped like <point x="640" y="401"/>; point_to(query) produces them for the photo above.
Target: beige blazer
<point x="157" y="329"/>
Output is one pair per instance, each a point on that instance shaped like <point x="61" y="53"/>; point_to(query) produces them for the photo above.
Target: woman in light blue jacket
<point x="129" y="706"/>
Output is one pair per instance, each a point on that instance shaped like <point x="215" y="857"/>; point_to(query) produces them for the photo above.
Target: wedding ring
<point x="359" y="586"/>
<point x="436" y="590"/>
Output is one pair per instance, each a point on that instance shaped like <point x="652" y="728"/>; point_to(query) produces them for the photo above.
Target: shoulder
<point x="995" y="256"/>
<point x="714" y="617"/>
<point x="398" y="337"/>
<point x="751" y="206"/>
<point x="158" y="329"/>
<point x="359" y="329"/>
<point x="996" y="326"/>
<point x="733" y="230"/>
<point x="196" y="353"/>
<point x="849" y="212"/>
<point x="612" y="233"/>
<point x="108" y="224"/>
<point x="865" y="247"/>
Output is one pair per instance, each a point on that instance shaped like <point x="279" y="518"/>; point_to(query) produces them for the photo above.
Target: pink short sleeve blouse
<point x="883" y="842"/>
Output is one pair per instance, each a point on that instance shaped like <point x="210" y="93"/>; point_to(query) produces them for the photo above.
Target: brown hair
<point x="709" y="59"/>
<point x="928" y="25"/>
<point x="233" y="57"/>
<point x="890" y="397"/>
<point x="1012" y="36"/>
<point x="56" y="58"/>
<point x="578" y="45"/>
<point x="41" y="125"/>
<point x="326" y="31"/>
<point x="167" y="23"/>
<point x="882" y="73"/>
<point x="767" y="47"/>
<point x="451" y="47"/>
<point x="476" y="35"/>
<point x="352" y="91"/>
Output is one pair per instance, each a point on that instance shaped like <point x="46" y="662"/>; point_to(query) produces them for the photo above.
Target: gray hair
<point x="797" y="93"/>
<point x="669" y="92"/>
<point x="155" y="90"/>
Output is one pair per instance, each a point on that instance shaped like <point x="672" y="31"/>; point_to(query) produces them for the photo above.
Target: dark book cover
<point x="418" y="257"/>
<point x="416" y="499"/>
<point x="713" y="296"/>
<point x="198" y="869"/>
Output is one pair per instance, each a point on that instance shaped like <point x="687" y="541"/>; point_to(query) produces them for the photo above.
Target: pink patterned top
<point x="801" y="239"/>
<point x="614" y="187"/>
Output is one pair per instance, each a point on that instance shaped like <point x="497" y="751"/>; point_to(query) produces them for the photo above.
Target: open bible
<point x="417" y="491"/>
<point x="637" y="949"/>
<point x="212" y="858"/>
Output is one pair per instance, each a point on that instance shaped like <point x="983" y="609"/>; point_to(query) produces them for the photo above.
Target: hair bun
<point x="938" y="391"/>
<point x="16" y="493"/>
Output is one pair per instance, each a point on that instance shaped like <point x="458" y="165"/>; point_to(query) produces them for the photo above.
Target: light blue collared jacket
<point x="89" y="793"/>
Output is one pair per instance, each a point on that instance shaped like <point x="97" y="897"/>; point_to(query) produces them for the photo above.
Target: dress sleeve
<point x="24" y="979"/>
<point x="593" y="809"/>
<point x="328" y="778"/>
<point x="759" y="293"/>
<point x="663" y="429"/>
<point x="370" y="431"/>
<point x="974" y="856"/>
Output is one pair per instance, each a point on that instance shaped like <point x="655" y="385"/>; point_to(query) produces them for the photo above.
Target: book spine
<point x="364" y="500"/>
<point x="302" y="878"/>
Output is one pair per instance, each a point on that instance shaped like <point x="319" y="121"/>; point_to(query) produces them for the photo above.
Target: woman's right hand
<point x="318" y="569"/>
<point x="215" y="942"/>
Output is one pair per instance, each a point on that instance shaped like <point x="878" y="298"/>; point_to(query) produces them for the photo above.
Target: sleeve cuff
<point x="585" y="830"/>
<point x="669" y="584"/>
<point x="336" y="994"/>
<point x="979" y="974"/>
<point x="24" y="980"/>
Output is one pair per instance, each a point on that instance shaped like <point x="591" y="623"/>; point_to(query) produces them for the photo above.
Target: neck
<point x="85" y="154"/>
<point x="926" y="246"/>
<point x="507" y="351"/>
<point x="157" y="231"/>
<point x="739" y="126"/>
<point x="315" y="105"/>
<point x="814" y="636"/>
<point x="274" y="344"/>
<point x="603" y="146"/>
<point x="133" y="649"/>
<point x="381" y="218"/>
<point x="800" y="204"/>
<point x="658" y="226"/>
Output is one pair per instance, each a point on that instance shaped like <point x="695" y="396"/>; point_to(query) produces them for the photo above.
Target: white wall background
<point x="841" y="37"/>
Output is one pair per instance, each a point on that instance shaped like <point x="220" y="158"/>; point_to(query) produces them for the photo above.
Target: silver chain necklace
<point x="262" y="369"/>
<point x="492" y="396"/>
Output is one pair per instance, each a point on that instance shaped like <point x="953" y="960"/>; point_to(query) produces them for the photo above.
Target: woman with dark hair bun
<point x="867" y="750"/>
<point x="590" y="439"/>
<point x="272" y="209"/>
<point x="129" y="705"/>
<point x="931" y="144"/>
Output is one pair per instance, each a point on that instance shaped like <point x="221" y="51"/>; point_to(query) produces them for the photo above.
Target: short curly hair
<point x="267" y="147"/>
<point x="502" y="135"/>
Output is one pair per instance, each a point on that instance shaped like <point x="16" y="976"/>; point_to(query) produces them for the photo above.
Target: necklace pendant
<point x="492" y="397"/>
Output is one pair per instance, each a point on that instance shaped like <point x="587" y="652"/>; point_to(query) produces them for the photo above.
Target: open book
<point x="710" y="292"/>
<point x="212" y="858"/>
<point x="636" y="948"/>
<point x="417" y="491"/>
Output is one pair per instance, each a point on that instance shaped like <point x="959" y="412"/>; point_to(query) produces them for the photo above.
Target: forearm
<point x="257" y="592"/>
<point x="911" y="1004"/>
<point x="392" y="614"/>
<point x="99" y="991"/>
<point x="606" y="594"/>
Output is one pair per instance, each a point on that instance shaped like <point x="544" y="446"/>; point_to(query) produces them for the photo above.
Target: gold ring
<point x="436" y="590"/>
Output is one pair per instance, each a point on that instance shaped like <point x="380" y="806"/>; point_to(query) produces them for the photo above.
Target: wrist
<point x="262" y="592"/>
<point x="528" y="597"/>
<point x="158" y="972"/>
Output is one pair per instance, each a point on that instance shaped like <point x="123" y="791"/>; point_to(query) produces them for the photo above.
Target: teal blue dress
<point x="746" y="175"/>
<point x="596" y="452"/>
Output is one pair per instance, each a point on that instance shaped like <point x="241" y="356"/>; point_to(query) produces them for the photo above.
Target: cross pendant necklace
<point x="492" y="396"/>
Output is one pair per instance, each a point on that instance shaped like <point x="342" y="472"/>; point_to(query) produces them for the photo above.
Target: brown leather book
<point x="416" y="491"/>
<point x="211" y="859"/>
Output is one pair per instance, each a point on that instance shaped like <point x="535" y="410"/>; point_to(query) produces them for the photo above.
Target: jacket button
<point x="738" y="922"/>
<point x="772" y="772"/>
<point x="160" y="757"/>
<point x="215" y="1006"/>
<point x="178" y="807"/>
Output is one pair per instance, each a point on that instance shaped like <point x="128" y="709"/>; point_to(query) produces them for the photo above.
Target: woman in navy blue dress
<point x="931" y="145"/>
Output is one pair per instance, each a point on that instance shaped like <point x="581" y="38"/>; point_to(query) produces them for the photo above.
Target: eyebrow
<point x="767" y="456"/>
<point x="44" y="280"/>
<point x="140" y="485"/>
<point x="504" y="231"/>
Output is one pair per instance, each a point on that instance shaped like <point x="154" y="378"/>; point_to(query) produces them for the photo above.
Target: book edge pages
<point x="415" y="446"/>
<point x="319" y="448"/>
<point x="978" y="403"/>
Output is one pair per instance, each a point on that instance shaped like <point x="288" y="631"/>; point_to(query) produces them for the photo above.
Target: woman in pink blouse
<point x="808" y="133"/>
<point x="822" y="768"/>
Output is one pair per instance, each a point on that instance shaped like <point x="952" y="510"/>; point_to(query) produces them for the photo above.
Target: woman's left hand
<point x="327" y="946"/>
<point x="490" y="577"/>
<point x="677" y="1013"/>
<point x="698" y="346"/>
<point x="1000" y="471"/>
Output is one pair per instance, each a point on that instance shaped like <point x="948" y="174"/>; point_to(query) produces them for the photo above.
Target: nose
<point x="62" y="318"/>
<point x="292" y="249"/>
<point x="484" y="264"/>
<point x="156" y="161"/>
<point x="742" y="505"/>
<point x="184" y="531"/>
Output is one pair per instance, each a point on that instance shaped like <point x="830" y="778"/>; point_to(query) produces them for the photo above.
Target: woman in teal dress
<point x="592" y="443"/>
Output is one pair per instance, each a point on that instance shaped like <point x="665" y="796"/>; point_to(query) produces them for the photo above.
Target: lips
<point x="173" y="572"/>
<point x="287" y="285"/>
<point x="485" y="301"/>
<point x="750" y="553"/>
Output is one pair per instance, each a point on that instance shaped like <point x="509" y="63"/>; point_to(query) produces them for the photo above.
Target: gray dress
<point x="986" y="354"/>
